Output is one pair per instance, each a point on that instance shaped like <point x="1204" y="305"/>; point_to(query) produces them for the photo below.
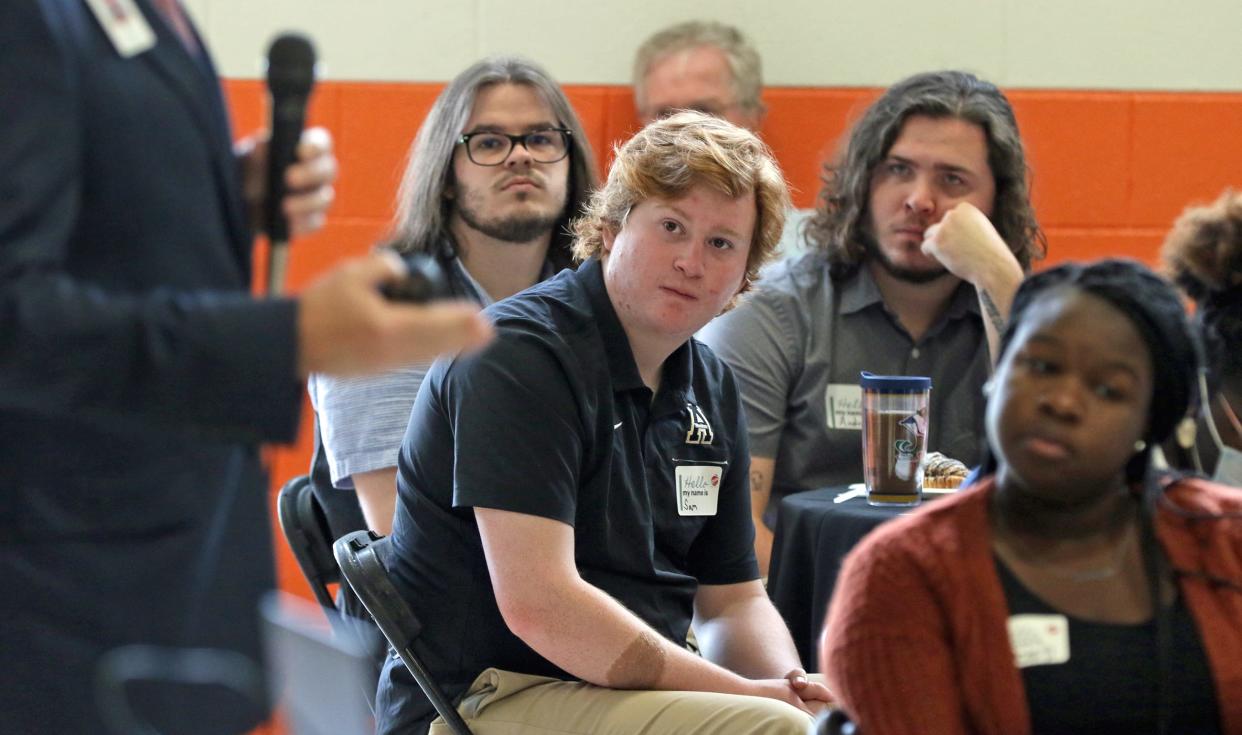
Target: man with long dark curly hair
<point x="923" y="231"/>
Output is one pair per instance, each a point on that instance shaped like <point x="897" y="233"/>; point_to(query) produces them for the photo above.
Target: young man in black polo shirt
<point x="571" y="495"/>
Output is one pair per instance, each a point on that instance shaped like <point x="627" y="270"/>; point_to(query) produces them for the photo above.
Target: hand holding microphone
<point x="347" y="323"/>
<point x="290" y="78"/>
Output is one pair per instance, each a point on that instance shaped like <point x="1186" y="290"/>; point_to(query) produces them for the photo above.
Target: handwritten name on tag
<point x="698" y="489"/>
<point x="1039" y="640"/>
<point x="843" y="406"/>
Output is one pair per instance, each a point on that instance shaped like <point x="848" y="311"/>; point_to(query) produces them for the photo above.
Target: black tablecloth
<point x="812" y="536"/>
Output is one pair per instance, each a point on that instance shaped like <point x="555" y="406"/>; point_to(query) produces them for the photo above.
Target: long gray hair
<point x="839" y="225"/>
<point x="423" y="211"/>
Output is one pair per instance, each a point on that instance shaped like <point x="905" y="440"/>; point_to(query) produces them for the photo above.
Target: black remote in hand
<point x="426" y="281"/>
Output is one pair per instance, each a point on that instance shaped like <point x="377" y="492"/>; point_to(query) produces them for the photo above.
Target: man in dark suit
<point x="137" y="376"/>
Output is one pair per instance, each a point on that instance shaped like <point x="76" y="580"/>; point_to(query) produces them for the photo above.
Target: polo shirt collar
<point x="678" y="375"/>
<point x="620" y="356"/>
<point x="858" y="291"/>
<point x="678" y="372"/>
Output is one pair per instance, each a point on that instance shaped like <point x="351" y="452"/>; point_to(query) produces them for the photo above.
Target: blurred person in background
<point x="1203" y="256"/>
<point x="709" y="67"/>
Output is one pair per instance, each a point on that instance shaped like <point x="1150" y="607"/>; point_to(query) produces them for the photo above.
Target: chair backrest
<point x="306" y="530"/>
<point x="360" y="556"/>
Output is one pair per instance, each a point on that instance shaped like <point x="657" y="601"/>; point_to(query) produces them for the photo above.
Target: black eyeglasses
<point x="488" y="148"/>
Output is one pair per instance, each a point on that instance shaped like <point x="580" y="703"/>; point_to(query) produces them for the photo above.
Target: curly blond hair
<point x="668" y="157"/>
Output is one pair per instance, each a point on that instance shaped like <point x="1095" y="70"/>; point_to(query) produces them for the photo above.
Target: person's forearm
<point x="748" y="637"/>
<point x="761" y="470"/>
<point x="763" y="545"/>
<point x="996" y="287"/>
<point x="377" y="495"/>
<point x="595" y="638"/>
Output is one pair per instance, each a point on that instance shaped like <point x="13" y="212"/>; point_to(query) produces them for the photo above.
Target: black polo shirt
<point x="553" y="420"/>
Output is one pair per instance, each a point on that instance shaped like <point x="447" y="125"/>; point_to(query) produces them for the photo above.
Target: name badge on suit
<point x="124" y="24"/>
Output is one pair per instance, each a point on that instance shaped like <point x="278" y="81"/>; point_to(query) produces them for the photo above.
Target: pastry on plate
<point x="943" y="473"/>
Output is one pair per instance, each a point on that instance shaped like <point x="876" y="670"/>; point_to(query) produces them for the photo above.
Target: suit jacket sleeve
<point x="92" y="327"/>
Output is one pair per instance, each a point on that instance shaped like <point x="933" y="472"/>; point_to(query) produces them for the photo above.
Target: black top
<point x="553" y="420"/>
<point x="1109" y="683"/>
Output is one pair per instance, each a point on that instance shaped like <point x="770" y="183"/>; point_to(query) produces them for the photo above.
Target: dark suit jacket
<point x="136" y="376"/>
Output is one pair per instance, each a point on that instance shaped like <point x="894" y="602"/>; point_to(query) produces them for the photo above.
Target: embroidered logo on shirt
<point x="700" y="429"/>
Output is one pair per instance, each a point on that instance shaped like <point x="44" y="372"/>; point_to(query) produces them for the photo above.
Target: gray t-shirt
<point x="362" y="420"/>
<point x="797" y="346"/>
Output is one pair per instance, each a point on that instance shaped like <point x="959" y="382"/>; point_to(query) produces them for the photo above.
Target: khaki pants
<point x="505" y="703"/>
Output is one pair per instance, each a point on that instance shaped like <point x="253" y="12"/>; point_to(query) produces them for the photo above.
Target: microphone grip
<point x="277" y="264"/>
<point x="288" y="118"/>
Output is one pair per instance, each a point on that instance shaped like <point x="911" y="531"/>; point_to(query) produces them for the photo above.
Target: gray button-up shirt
<point x="797" y="346"/>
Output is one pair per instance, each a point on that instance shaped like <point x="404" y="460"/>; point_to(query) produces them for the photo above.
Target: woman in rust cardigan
<point x="1025" y="603"/>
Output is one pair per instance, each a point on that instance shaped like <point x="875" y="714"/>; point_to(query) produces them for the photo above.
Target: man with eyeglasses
<point x="496" y="172"/>
<point x="571" y="497"/>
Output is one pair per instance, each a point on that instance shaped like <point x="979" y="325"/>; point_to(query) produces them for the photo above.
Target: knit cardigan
<point x="916" y="639"/>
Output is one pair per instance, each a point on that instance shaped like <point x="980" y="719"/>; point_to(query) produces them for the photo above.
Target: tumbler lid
<point x="894" y="383"/>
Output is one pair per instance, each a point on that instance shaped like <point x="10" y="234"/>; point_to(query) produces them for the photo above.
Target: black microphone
<point x="290" y="76"/>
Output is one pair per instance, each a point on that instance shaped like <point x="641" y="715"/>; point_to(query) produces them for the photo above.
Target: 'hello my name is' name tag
<point x="698" y="489"/>
<point x="1039" y="640"/>
<point x="843" y="406"/>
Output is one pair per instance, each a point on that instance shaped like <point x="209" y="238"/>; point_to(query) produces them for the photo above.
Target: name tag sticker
<point x="124" y="25"/>
<point x="843" y="404"/>
<point x="1039" y="640"/>
<point x="698" y="489"/>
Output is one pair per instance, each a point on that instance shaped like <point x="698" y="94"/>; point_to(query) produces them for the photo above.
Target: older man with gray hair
<point x="699" y="65"/>
<point x="709" y="67"/>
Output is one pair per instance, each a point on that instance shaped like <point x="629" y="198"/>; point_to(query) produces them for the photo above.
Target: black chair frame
<point x="306" y="530"/>
<point x="358" y="555"/>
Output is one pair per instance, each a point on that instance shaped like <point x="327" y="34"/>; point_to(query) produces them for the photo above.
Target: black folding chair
<point x="306" y="529"/>
<point x="359" y="555"/>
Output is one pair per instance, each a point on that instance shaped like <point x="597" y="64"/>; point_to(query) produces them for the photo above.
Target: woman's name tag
<point x="1039" y="640"/>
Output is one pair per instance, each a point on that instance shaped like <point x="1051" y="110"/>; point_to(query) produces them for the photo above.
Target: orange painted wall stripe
<point x="1111" y="170"/>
